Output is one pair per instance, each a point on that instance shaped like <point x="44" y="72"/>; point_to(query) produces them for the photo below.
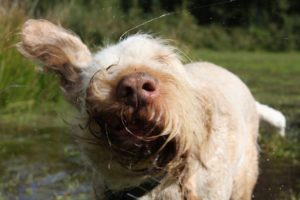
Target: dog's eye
<point x="110" y="66"/>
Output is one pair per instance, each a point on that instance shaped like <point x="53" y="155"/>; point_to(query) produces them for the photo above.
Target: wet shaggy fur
<point x="197" y="138"/>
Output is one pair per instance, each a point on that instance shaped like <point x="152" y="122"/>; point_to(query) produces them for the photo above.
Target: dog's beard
<point x="159" y="135"/>
<point x="135" y="134"/>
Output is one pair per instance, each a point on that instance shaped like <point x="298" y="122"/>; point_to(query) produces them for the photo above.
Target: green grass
<point x="272" y="77"/>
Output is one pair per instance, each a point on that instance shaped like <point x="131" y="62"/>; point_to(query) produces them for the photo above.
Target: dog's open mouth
<point x="133" y="129"/>
<point x="135" y="136"/>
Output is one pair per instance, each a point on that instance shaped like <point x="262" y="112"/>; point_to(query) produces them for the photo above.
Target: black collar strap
<point x="134" y="193"/>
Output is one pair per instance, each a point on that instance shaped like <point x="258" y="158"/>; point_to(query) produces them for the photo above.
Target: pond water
<point x="45" y="163"/>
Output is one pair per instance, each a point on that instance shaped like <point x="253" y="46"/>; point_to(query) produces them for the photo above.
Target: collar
<point x="136" y="192"/>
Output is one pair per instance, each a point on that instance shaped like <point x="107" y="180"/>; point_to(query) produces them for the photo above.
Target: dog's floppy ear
<point x="57" y="49"/>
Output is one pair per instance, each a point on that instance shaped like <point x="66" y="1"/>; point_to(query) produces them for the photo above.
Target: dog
<point x="151" y="127"/>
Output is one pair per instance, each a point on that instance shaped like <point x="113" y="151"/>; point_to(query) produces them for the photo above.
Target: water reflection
<point x="278" y="180"/>
<point x="45" y="164"/>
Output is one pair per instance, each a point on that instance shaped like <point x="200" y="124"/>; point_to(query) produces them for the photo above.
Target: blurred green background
<point x="257" y="40"/>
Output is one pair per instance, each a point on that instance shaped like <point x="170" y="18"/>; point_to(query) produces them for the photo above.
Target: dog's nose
<point x="137" y="89"/>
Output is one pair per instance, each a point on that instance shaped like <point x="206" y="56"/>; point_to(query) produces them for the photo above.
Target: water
<point x="278" y="180"/>
<point x="40" y="164"/>
<point x="45" y="163"/>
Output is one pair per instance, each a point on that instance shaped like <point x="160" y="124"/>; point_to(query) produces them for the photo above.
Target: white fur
<point x="272" y="116"/>
<point x="137" y="50"/>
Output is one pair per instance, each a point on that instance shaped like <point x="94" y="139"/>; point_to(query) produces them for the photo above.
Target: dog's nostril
<point x="127" y="91"/>
<point x="137" y="89"/>
<point x="149" y="87"/>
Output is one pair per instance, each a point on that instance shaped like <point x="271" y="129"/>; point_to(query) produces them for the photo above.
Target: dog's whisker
<point x="152" y="116"/>
<point x="158" y="119"/>
<point x="129" y="131"/>
<point x="94" y="133"/>
<point x="151" y="130"/>
<point x="124" y="125"/>
<point x="107" y="135"/>
<point x="144" y="23"/>
<point x="87" y="140"/>
<point x="138" y="145"/>
<point x="126" y="151"/>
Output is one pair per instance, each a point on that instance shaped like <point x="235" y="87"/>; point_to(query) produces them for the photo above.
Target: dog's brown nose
<point x="137" y="89"/>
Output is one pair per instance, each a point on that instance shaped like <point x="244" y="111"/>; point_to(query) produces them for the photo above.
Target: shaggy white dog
<point x="152" y="127"/>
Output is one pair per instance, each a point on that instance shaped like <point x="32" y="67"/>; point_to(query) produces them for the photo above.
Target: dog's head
<point x="136" y="93"/>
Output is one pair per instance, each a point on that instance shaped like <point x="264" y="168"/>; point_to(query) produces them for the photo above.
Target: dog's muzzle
<point x="137" y="89"/>
<point x="134" y="122"/>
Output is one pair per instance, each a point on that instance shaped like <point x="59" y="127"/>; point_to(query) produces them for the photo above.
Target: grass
<point x="272" y="77"/>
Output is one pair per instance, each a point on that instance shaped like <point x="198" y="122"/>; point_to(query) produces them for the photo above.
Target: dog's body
<point x="176" y="131"/>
